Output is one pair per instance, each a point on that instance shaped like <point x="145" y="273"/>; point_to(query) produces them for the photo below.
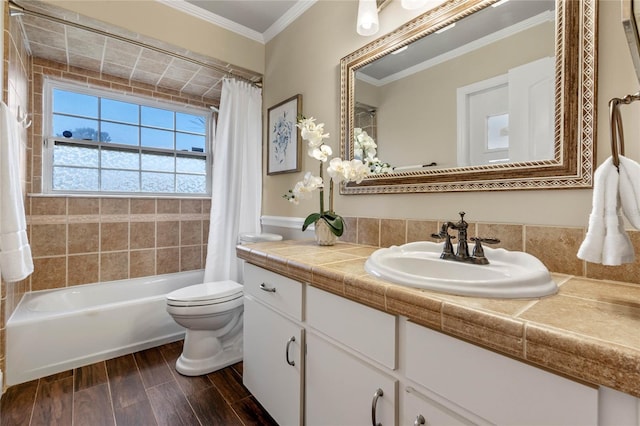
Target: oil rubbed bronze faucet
<point x="462" y="254"/>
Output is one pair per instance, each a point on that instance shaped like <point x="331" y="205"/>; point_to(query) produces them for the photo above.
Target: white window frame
<point x="48" y="139"/>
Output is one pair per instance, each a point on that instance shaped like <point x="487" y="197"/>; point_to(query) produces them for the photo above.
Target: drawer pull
<point x="374" y="404"/>
<point x="286" y="351"/>
<point x="420" y="420"/>
<point x="264" y="287"/>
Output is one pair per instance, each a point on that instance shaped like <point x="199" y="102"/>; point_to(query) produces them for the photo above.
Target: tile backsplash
<point x="555" y="246"/>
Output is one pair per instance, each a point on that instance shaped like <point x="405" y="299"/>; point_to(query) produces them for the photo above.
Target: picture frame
<point x="284" y="154"/>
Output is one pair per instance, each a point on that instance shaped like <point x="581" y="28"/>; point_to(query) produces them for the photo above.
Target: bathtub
<point x="56" y="330"/>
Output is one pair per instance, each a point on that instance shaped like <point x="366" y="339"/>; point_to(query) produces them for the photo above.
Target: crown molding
<point x="205" y="15"/>
<point x="283" y="22"/>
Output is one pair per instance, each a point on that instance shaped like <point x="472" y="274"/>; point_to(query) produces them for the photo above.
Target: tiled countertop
<point x="589" y="331"/>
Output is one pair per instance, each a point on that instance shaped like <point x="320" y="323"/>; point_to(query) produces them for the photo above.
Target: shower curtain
<point x="236" y="195"/>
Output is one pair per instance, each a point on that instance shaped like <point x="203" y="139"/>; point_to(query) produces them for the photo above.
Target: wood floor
<point x="142" y="389"/>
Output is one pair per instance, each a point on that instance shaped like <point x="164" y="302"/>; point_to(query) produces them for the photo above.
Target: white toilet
<point x="212" y="315"/>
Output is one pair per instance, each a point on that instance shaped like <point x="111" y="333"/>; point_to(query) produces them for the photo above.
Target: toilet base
<point x="204" y="353"/>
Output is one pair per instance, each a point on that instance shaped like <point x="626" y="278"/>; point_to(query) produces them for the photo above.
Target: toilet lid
<point x="205" y="293"/>
<point x="249" y="237"/>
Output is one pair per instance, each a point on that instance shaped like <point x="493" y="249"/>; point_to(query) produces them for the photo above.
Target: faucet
<point x="462" y="253"/>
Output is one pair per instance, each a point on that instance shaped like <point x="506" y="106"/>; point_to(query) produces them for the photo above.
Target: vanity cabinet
<point x="315" y="358"/>
<point x="494" y="387"/>
<point x="349" y="362"/>
<point x="273" y="343"/>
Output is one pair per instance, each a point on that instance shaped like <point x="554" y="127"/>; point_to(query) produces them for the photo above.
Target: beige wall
<point x="154" y="19"/>
<point x="305" y="59"/>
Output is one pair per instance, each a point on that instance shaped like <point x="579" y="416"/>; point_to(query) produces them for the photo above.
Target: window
<point x="100" y="142"/>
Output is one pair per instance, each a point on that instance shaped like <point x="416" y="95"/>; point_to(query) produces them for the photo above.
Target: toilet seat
<point x="204" y="294"/>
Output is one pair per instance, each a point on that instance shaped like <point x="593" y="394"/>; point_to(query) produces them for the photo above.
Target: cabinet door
<point x="341" y="388"/>
<point x="418" y="409"/>
<point x="273" y="361"/>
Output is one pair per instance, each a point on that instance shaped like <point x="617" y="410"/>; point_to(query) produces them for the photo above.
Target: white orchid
<point x="339" y="170"/>
<point x="321" y="153"/>
<point x="312" y="132"/>
<point x="363" y="144"/>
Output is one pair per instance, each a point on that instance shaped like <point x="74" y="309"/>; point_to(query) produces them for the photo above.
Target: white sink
<point x="510" y="274"/>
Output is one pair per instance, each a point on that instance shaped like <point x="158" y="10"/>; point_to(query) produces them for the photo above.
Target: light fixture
<point x="500" y="3"/>
<point x="367" y="17"/>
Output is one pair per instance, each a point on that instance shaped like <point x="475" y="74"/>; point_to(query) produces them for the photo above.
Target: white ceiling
<point x="260" y="20"/>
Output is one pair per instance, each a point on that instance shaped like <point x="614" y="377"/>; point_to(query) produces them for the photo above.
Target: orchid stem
<point x="321" y="191"/>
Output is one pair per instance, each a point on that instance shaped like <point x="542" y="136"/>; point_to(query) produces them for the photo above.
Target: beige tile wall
<point x="80" y="240"/>
<point x="556" y="247"/>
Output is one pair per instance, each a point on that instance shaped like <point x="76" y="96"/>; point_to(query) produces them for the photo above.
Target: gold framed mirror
<point x="558" y="145"/>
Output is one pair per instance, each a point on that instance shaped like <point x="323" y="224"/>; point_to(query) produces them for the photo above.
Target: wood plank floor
<point x="141" y="389"/>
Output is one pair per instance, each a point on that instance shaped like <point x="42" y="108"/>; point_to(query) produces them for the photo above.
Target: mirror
<point x="630" y="18"/>
<point x="476" y="95"/>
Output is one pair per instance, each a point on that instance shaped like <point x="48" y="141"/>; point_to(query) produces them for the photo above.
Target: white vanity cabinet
<point x="273" y="343"/>
<point x="314" y="358"/>
<point x="350" y="360"/>
<point x="494" y="387"/>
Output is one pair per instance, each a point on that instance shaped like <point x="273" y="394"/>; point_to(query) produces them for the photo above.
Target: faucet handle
<point x="478" y="251"/>
<point x="442" y="235"/>
<point x="485" y="240"/>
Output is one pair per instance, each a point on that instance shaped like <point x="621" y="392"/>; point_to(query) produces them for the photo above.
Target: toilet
<point x="211" y="313"/>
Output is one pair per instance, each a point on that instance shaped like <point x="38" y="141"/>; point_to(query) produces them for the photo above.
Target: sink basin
<point x="510" y="274"/>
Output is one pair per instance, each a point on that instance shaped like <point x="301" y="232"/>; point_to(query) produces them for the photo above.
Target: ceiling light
<point x="500" y="3"/>
<point x="367" y="17"/>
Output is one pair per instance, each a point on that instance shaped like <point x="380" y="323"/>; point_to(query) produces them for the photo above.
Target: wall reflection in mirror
<point x="476" y="95"/>
<point x="479" y="91"/>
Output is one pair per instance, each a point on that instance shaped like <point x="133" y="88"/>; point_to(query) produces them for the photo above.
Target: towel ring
<point x="615" y="123"/>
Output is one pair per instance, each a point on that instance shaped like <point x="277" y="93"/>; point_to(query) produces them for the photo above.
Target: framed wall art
<point x="283" y="137"/>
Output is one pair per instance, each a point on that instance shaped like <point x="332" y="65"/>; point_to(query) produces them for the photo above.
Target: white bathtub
<point x="56" y="330"/>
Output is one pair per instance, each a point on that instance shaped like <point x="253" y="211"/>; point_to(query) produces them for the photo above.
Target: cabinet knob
<point x="286" y="351"/>
<point x="420" y="420"/>
<point x="264" y="287"/>
<point x="374" y="404"/>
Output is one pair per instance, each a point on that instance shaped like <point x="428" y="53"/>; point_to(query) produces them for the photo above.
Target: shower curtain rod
<point x="17" y="10"/>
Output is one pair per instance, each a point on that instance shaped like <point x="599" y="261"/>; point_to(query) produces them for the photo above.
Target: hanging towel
<point x="15" y="253"/>
<point x="630" y="190"/>
<point x="606" y="241"/>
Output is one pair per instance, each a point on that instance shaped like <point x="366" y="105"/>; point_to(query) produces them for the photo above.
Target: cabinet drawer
<point x="497" y="388"/>
<point x="282" y="293"/>
<point x="418" y="409"/>
<point x="363" y="329"/>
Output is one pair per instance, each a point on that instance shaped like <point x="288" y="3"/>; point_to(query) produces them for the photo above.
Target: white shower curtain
<point x="236" y="195"/>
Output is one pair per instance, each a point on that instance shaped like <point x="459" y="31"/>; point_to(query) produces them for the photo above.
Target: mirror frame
<point x="575" y="108"/>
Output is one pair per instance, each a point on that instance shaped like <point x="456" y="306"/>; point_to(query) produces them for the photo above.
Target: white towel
<point x="15" y="253"/>
<point x="630" y="190"/>
<point x="606" y="241"/>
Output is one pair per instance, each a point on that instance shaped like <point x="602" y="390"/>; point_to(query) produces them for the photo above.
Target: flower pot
<point x="324" y="236"/>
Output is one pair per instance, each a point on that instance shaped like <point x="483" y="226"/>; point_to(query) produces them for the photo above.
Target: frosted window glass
<point x="191" y="165"/>
<point x="112" y="159"/>
<point x="75" y="179"/>
<point x="119" y="180"/>
<point x="69" y="155"/>
<point x="158" y="182"/>
<point x="191" y="184"/>
<point x="158" y="162"/>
